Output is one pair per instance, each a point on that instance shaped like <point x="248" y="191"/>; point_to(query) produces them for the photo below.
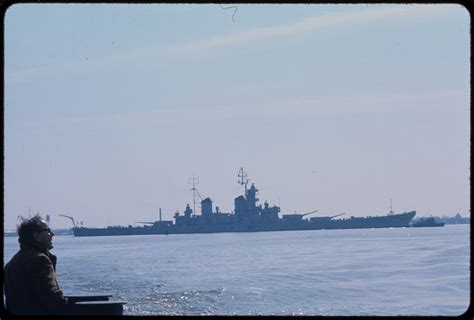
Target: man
<point x="30" y="276"/>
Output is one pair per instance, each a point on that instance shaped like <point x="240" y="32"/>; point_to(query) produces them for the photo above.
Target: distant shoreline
<point x="57" y="232"/>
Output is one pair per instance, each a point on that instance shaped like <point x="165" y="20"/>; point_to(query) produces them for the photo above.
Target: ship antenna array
<point x="194" y="180"/>
<point x="243" y="179"/>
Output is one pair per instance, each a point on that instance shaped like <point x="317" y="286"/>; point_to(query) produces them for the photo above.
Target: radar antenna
<point x="194" y="180"/>
<point x="243" y="178"/>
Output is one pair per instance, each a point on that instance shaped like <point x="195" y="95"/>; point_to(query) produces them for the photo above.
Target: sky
<point x="110" y="109"/>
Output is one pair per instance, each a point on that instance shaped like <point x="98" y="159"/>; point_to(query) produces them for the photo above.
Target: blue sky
<point x="110" y="109"/>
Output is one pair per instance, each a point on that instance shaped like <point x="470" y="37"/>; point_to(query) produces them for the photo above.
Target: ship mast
<point x="194" y="179"/>
<point x="243" y="179"/>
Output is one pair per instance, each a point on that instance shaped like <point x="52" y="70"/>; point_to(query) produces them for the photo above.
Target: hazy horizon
<point x="111" y="109"/>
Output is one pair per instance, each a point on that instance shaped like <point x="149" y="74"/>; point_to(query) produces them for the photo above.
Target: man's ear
<point x="36" y="236"/>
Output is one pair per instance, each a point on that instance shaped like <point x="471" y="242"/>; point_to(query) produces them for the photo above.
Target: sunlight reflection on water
<point x="326" y="272"/>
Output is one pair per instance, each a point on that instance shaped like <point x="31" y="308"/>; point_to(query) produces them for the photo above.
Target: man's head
<point x="35" y="231"/>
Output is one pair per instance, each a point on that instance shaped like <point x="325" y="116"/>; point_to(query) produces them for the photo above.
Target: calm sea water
<point x="401" y="271"/>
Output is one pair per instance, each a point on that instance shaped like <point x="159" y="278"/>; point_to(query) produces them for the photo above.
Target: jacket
<point x="30" y="283"/>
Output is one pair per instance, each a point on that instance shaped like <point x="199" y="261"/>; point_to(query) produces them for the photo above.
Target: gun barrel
<point x="337" y="215"/>
<point x="304" y="214"/>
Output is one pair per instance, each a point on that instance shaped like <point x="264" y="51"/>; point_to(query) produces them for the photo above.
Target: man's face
<point x="44" y="235"/>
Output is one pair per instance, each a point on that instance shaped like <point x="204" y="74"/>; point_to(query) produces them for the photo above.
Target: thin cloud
<point x="303" y="108"/>
<point x="310" y="24"/>
<point x="313" y="107"/>
<point x="330" y="20"/>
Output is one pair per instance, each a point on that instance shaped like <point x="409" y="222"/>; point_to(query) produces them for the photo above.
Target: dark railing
<point x="95" y="305"/>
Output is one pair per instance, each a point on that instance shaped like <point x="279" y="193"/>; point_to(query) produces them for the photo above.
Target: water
<point x="400" y="271"/>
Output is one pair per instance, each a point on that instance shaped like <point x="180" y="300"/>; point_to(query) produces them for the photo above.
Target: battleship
<point x="248" y="216"/>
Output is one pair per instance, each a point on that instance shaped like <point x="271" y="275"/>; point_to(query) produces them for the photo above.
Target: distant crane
<point x="74" y="223"/>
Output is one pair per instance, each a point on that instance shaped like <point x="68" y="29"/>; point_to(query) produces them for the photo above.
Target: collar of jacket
<point x="37" y="247"/>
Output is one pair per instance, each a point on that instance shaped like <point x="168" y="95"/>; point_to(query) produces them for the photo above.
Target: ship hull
<point x="389" y="221"/>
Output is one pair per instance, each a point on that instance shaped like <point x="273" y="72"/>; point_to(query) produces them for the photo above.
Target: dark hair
<point x="27" y="227"/>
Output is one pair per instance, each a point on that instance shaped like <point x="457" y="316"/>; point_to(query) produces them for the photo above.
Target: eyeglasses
<point x="47" y="229"/>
